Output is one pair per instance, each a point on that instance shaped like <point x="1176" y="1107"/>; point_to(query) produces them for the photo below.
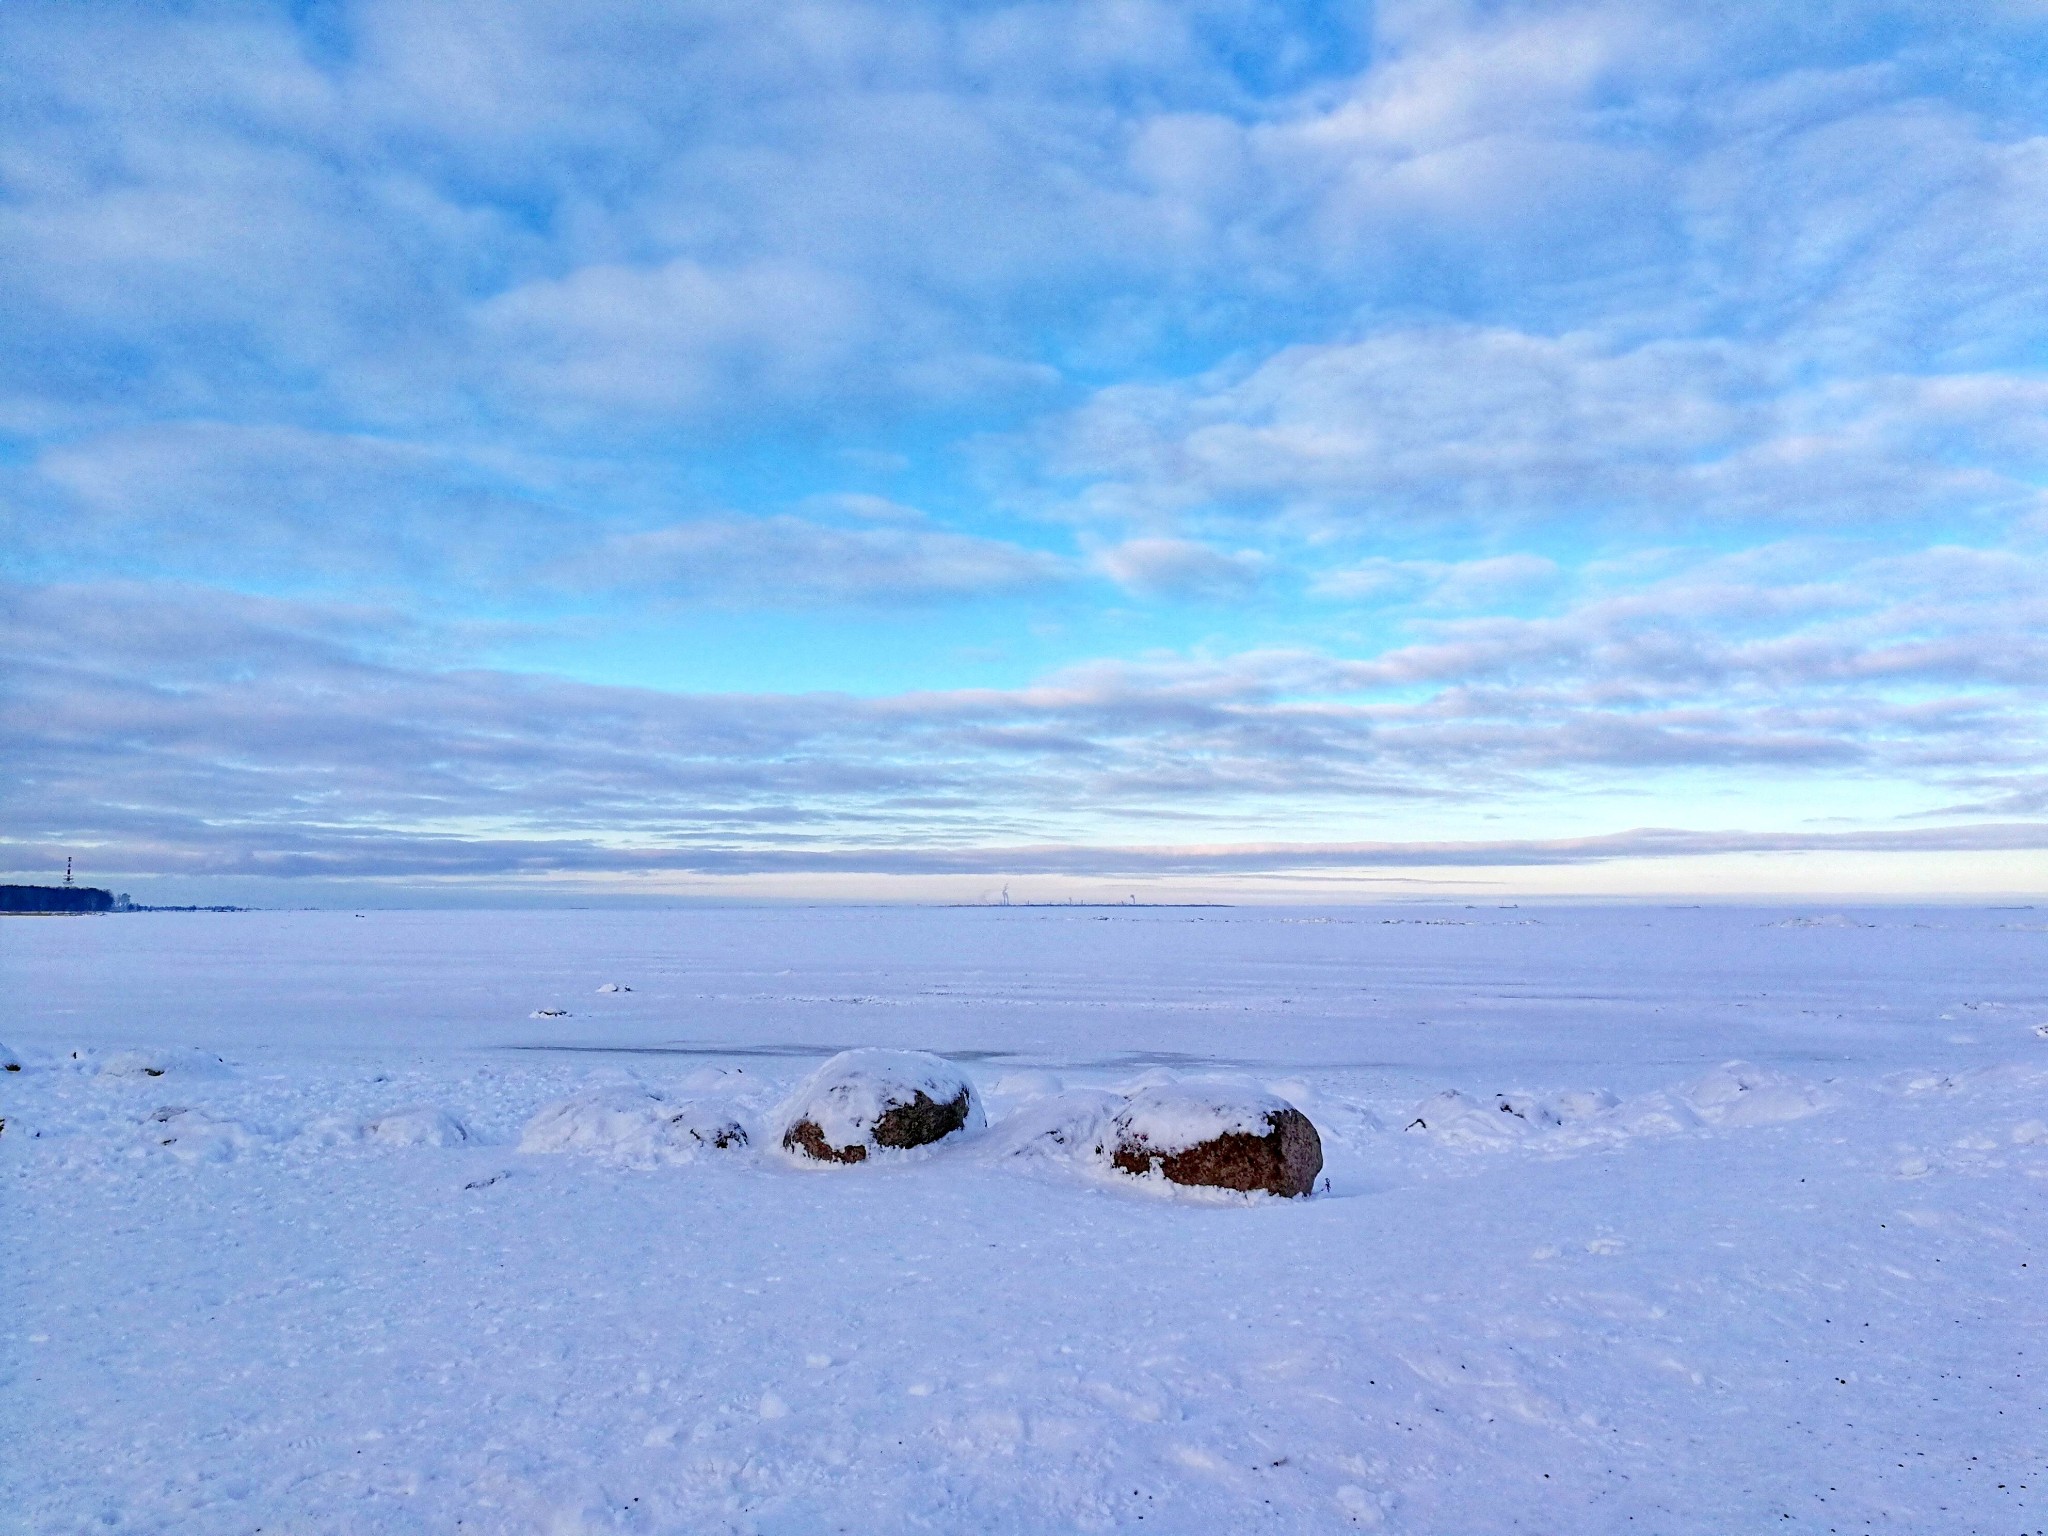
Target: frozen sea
<point x="1636" y="1219"/>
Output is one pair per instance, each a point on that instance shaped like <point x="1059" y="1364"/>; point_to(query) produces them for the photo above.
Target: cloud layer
<point x="1117" y="425"/>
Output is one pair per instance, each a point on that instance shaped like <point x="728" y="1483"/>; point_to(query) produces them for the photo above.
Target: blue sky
<point x="840" y="449"/>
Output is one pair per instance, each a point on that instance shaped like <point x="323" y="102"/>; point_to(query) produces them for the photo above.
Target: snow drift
<point x="633" y="1126"/>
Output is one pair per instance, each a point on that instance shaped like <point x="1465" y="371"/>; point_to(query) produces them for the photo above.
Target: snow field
<point x="1784" y="1278"/>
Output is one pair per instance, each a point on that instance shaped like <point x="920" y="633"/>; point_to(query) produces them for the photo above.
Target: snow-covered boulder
<point x="1220" y="1135"/>
<point x="631" y="1125"/>
<point x="419" y="1125"/>
<point x="863" y="1101"/>
<point x="10" y="1060"/>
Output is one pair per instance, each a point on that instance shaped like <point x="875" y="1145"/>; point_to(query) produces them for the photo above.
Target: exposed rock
<point x="1220" y="1136"/>
<point x="863" y="1101"/>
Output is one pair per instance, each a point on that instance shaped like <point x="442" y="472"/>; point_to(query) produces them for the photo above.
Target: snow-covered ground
<point x="419" y="1222"/>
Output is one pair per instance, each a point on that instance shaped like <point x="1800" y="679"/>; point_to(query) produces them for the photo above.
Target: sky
<point x="1231" y="449"/>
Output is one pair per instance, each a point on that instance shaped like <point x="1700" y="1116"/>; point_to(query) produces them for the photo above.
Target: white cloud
<point x="206" y="726"/>
<point x="1445" y="583"/>
<point x="785" y="561"/>
<point x="1461" y="422"/>
<point x="1181" y="568"/>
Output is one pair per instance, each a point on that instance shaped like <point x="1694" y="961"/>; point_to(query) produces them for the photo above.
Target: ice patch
<point x="418" y="1125"/>
<point x="633" y="1127"/>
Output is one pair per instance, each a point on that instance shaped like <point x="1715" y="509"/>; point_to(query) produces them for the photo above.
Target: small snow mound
<point x="1075" y="1127"/>
<point x="2031" y="1133"/>
<point x="1649" y="1114"/>
<point x="171" y="1063"/>
<point x="1738" y="1094"/>
<point x="632" y="1127"/>
<point x="613" y="986"/>
<point x="1832" y="920"/>
<point x="10" y="1060"/>
<point x="1577" y="1104"/>
<point x="549" y="1013"/>
<point x="1458" y="1119"/>
<point x="865" y="1101"/>
<point x="418" y="1125"/>
<point x="193" y="1136"/>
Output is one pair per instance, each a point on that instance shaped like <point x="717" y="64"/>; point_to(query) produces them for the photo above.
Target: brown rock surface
<point x="1284" y="1161"/>
<point x="805" y="1137"/>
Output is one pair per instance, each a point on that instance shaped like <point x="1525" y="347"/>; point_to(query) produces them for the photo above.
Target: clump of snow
<point x="634" y="1127"/>
<point x="865" y="1101"/>
<point x="2030" y="1133"/>
<point x="193" y="1136"/>
<point x="1577" y="1104"/>
<point x="1832" y="920"/>
<point x="1649" y="1114"/>
<point x="613" y="986"/>
<point x="1074" y="1127"/>
<point x="10" y="1060"/>
<point x="1457" y="1117"/>
<point x="1738" y="1094"/>
<point x="161" y="1063"/>
<point x="1173" y="1116"/>
<point x="1574" y="1117"/>
<point x="1296" y="1091"/>
<point x="418" y="1125"/>
<point x="549" y="1013"/>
